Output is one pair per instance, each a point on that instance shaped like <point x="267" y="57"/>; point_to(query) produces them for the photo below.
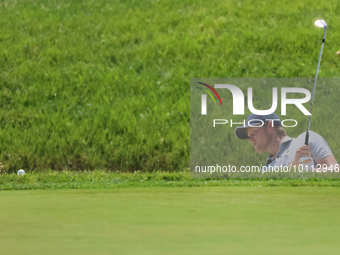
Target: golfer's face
<point x="259" y="137"/>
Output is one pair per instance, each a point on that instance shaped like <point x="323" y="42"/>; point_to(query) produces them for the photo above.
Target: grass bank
<point x="109" y="180"/>
<point x="105" y="84"/>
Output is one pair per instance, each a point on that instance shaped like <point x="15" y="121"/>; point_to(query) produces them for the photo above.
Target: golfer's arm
<point x="329" y="161"/>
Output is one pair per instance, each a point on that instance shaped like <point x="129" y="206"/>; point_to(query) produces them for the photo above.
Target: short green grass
<point x="208" y="220"/>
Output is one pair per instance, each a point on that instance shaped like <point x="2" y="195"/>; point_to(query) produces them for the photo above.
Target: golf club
<point x="323" y="24"/>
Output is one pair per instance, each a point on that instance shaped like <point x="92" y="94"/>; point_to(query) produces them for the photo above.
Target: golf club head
<point x="320" y="23"/>
<point x="306" y="160"/>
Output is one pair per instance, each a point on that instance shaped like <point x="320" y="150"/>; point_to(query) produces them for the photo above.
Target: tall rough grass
<point x="105" y="85"/>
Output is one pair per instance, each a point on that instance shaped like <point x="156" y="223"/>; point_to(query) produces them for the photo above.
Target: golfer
<point x="266" y="134"/>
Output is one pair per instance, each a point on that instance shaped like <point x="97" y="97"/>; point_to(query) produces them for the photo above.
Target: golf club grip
<point x="307" y="138"/>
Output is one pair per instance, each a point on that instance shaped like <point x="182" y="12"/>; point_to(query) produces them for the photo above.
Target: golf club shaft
<point x="313" y="92"/>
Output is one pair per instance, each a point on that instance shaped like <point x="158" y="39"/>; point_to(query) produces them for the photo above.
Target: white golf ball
<point x="21" y="172"/>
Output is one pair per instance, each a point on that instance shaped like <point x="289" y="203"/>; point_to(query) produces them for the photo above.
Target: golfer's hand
<point x="303" y="151"/>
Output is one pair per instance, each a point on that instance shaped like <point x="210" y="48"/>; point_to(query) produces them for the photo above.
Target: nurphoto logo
<point x="238" y="99"/>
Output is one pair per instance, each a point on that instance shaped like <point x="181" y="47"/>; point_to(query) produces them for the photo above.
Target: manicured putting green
<point x="218" y="220"/>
